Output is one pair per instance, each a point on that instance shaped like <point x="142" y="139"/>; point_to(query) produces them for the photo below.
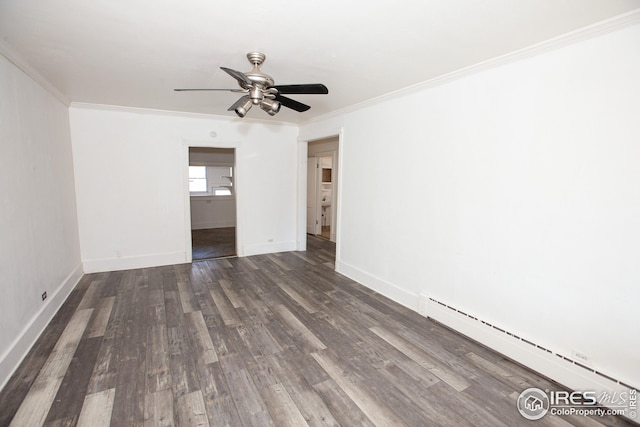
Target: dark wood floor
<point x="276" y="339"/>
<point x="213" y="243"/>
<point x="325" y="232"/>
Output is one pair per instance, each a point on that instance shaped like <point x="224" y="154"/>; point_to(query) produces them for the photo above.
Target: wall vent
<point x="531" y="343"/>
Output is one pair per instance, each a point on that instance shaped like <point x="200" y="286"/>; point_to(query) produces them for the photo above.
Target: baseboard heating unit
<point x="558" y="367"/>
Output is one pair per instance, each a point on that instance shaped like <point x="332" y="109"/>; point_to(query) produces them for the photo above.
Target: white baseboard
<point x="12" y="357"/>
<point x="267" y="248"/>
<point x="128" y="263"/>
<point x="389" y="290"/>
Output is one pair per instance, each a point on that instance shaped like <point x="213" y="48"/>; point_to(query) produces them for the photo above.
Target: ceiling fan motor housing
<point x="255" y="75"/>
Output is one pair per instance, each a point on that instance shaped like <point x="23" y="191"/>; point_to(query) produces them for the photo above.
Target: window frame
<point x="213" y="186"/>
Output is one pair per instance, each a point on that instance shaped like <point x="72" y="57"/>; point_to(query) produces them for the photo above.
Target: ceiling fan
<point x="261" y="90"/>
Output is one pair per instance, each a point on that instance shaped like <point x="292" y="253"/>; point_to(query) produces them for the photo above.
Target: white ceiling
<point x="134" y="52"/>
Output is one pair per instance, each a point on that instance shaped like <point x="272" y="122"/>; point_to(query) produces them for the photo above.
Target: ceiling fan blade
<point x="239" y="102"/>
<point x="240" y="77"/>
<point x="188" y="90"/>
<point x="290" y="103"/>
<point x="308" y="89"/>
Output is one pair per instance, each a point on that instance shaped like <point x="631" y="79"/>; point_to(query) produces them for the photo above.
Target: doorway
<point x="321" y="188"/>
<point x="212" y="202"/>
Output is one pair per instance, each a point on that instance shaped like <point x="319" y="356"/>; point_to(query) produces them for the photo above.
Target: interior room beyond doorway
<point x="212" y="202"/>
<point x="321" y="187"/>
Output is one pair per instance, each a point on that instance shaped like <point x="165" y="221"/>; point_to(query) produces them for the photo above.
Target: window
<point x="198" y="179"/>
<point x="211" y="180"/>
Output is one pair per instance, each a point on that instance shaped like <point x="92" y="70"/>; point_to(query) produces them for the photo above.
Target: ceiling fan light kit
<point x="260" y="89"/>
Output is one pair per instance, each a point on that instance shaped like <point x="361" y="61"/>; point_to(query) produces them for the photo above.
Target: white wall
<point x="39" y="249"/>
<point x="317" y="148"/>
<point x="512" y="194"/>
<point x="131" y="180"/>
<point x="212" y="212"/>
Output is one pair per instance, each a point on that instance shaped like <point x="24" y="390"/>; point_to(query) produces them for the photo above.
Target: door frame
<point x="333" y="155"/>
<point x="186" y="144"/>
<point x="303" y="152"/>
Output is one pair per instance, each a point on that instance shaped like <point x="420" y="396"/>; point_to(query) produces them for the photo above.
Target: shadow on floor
<point x="213" y="243"/>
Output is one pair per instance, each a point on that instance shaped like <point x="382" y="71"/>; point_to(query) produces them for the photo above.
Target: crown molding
<point x="158" y="112"/>
<point x="17" y="60"/>
<point x="582" y="34"/>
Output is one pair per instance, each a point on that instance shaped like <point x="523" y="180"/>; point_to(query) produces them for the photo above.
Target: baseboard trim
<point x="128" y="263"/>
<point x="388" y="289"/>
<point x="19" y="348"/>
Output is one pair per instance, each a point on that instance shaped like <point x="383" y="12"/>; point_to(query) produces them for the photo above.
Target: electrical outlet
<point x="581" y="357"/>
<point x="44" y="295"/>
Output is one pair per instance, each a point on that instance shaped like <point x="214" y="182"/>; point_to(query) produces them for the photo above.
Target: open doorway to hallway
<point x="322" y="179"/>
<point x="212" y="202"/>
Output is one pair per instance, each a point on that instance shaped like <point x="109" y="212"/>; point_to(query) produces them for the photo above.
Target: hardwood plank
<point x="245" y="263"/>
<point x="499" y="371"/>
<point x="222" y="412"/>
<point x="36" y="405"/>
<point x="258" y="339"/>
<point x="345" y="411"/>
<point x="128" y="405"/>
<point x="309" y="306"/>
<point x="63" y="422"/>
<point x="191" y="410"/>
<point x="158" y="409"/>
<point x="202" y="345"/>
<point x="213" y="381"/>
<point x="416" y="391"/>
<point x="274" y="258"/>
<point x="226" y="309"/>
<point x="391" y="391"/>
<point x="299" y="328"/>
<point x="96" y="410"/>
<point x="302" y="363"/>
<point x="307" y="400"/>
<point x="71" y="394"/>
<point x="437" y="368"/>
<point x="441" y="353"/>
<point x="230" y="292"/>
<point x="174" y="316"/>
<point x="184" y="376"/>
<point x="128" y="402"/>
<point x="157" y="310"/>
<point x="100" y="319"/>
<point x="371" y="406"/>
<point x="251" y="407"/>
<point x="104" y="372"/>
<point x="88" y="298"/>
<point x="187" y="298"/>
<point x="158" y="376"/>
<point x="282" y="408"/>
<point x="303" y="256"/>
